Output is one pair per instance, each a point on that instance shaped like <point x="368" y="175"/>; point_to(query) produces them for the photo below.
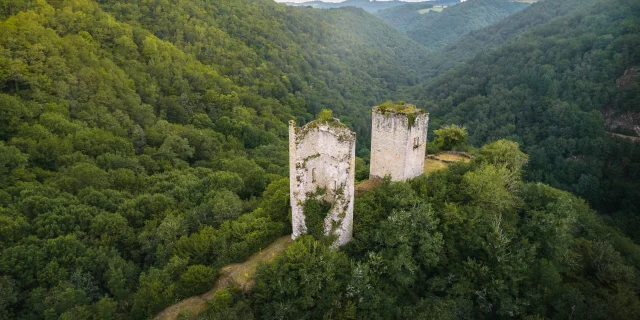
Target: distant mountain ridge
<point x="371" y="6"/>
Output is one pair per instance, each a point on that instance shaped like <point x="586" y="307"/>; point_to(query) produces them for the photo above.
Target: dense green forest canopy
<point x="343" y="59"/>
<point x="470" y="242"/>
<point x="405" y="16"/>
<point x="435" y="29"/>
<point x="491" y="37"/>
<point x="142" y="144"/>
<point x="546" y="88"/>
<point x="143" y="147"/>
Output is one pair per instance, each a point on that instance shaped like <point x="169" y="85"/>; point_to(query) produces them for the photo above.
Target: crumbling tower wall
<point x="322" y="157"/>
<point x="398" y="142"/>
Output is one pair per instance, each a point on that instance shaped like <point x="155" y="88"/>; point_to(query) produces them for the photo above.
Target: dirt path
<point x="238" y="273"/>
<point x="634" y="139"/>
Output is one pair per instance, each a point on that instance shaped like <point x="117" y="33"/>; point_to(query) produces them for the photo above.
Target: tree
<point x="450" y="137"/>
<point x="504" y="153"/>
<point x="492" y="188"/>
<point x="196" y="280"/>
<point x="175" y="147"/>
<point x="83" y="175"/>
<point x="155" y="291"/>
<point x="8" y="296"/>
<point x="305" y="280"/>
<point x="12" y="114"/>
<point x="12" y="162"/>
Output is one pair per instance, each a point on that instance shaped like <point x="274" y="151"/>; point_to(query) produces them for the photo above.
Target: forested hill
<point x="405" y="16"/>
<point x="493" y="36"/>
<point x="343" y="59"/>
<point x="142" y="144"/>
<point x="546" y="89"/>
<point x="435" y="29"/>
<point x="143" y="147"/>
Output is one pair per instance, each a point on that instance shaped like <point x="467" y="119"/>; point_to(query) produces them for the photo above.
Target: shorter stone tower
<point x="322" y="157"/>
<point x="398" y="141"/>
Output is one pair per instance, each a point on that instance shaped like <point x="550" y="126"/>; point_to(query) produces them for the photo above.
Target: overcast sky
<point x="338" y="0"/>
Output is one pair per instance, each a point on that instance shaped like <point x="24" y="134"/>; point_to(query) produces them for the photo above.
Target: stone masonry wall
<point x="322" y="156"/>
<point x="398" y="149"/>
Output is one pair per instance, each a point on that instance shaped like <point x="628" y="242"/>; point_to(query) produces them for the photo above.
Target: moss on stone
<point x="398" y="107"/>
<point x="409" y="110"/>
<point x="343" y="135"/>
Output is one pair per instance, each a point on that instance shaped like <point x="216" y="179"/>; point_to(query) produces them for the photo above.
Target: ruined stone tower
<point x="398" y="141"/>
<point x="322" y="157"/>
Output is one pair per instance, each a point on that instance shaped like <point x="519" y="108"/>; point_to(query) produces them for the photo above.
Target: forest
<point x="435" y="29"/>
<point x="492" y="36"/>
<point x="472" y="242"/>
<point x="545" y="89"/>
<point x="143" y="146"/>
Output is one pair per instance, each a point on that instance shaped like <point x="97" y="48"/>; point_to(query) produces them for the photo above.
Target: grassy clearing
<point x="441" y="161"/>
<point x="451" y="157"/>
<point x="431" y="165"/>
<point x="423" y="11"/>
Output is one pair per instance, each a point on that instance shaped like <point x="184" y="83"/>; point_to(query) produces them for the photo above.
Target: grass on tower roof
<point x="398" y="107"/>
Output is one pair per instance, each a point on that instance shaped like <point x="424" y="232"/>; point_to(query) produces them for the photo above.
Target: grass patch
<point x="410" y="110"/>
<point x="441" y="161"/>
<point x="423" y="11"/>
<point x="400" y="107"/>
<point x="452" y="157"/>
<point x="431" y="165"/>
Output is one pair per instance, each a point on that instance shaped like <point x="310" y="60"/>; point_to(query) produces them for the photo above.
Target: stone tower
<point x="398" y="141"/>
<point x="322" y="157"/>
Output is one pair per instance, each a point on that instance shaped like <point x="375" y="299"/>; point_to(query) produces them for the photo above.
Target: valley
<point x="144" y="159"/>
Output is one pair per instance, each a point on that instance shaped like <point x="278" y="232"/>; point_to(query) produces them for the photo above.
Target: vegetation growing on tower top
<point x="398" y="107"/>
<point x="410" y="110"/>
<point x="326" y="116"/>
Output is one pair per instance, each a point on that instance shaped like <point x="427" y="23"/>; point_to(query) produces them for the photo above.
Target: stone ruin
<point x="398" y="141"/>
<point x="322" y="162"/>
<point x="322" y="157"/>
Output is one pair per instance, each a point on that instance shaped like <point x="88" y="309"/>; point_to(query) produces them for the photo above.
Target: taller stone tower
<point x="322" y="165"/>
<point x="398" y="141"/>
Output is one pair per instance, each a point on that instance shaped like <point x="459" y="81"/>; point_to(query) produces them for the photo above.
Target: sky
<point x="338" y="0"/>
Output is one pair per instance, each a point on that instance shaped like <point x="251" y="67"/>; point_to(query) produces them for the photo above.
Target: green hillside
<point x="546" y="89"/>
<point x="436" y="29"/>
<point x="470" y="242"/>
<point x="342" y="59"/>
<point x="405" y="16"/>
<point x="493" y="36"/>
<point x="142" y="146"/>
